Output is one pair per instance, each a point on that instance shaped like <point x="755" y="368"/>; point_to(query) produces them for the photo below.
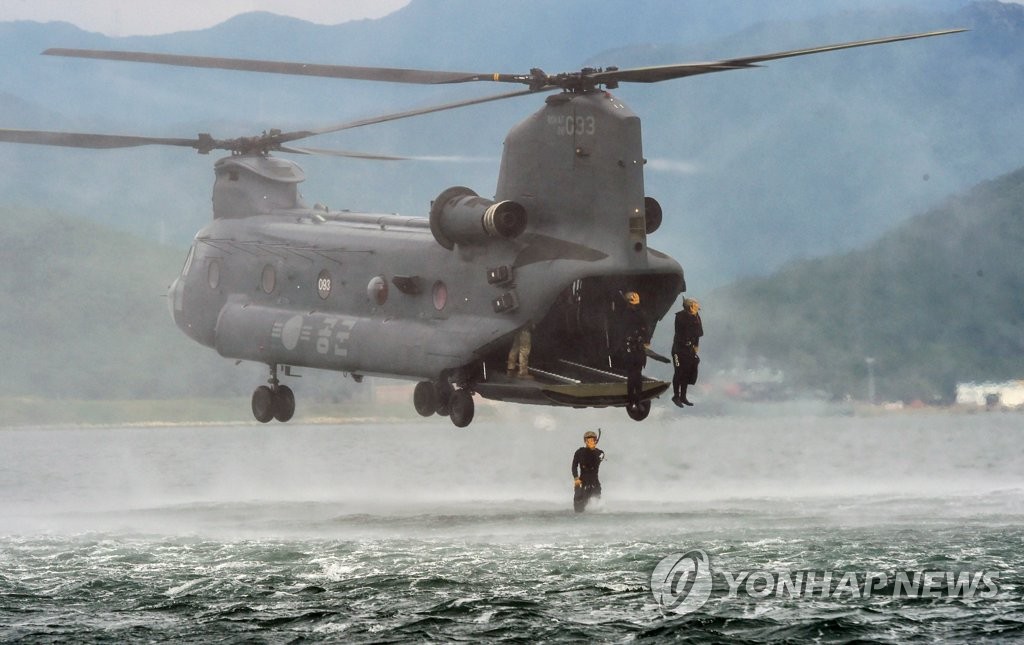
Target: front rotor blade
<point x="330" y="152"/>
<point x="205" y="143"/>
<point x="304" y="150"/>
<point x="667" y="72"/>
<point x="85" y="140"/>
<point x="389" y="74"/>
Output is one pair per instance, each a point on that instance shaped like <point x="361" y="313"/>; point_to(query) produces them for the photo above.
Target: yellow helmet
<point x="632" y="297"/>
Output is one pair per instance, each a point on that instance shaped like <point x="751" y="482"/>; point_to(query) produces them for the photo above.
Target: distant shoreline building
<point x="1009" y="394"/>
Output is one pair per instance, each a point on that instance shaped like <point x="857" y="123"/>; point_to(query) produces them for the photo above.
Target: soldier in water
<point x="585" y="464"/>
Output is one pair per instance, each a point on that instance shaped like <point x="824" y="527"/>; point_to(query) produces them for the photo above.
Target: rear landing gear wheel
<point x="461" y="408"/>
<point x="263" y="404"/>
<point x="443" y="393"/>
<point x="424" y="398"/>
<point x="284" y="403"/>
<point x="638" y="411"/>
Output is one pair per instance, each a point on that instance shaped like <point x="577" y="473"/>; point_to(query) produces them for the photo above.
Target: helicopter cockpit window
<point x="440" y="293"/>
<point x="269" y="279"/>
<point x="188" y="261"/>
<point x="213" y="274"/>
<point x="377" y="290"/>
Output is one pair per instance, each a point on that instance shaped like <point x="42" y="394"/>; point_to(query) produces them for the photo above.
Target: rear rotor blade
<point x="392" y="75"/>
<point x="536" y="79"/>
<point x="394" y="116"/>
<point x="538" y="82"/>
<point x="668" y="72"/>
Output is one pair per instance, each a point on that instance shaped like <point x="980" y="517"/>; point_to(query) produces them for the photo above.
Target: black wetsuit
<point x="635" y="357"/>
<point x="585" y="464"/>
<point x="684" y="351"/>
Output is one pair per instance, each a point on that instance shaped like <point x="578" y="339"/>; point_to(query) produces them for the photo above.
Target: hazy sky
<point x="145" y="17"/>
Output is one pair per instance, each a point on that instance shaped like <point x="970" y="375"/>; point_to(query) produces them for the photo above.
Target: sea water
<point x="421" y="531"/>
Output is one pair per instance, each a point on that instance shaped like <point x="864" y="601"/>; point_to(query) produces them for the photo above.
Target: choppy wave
<point x="566" y="579"/>
<point x="182" y="536"/>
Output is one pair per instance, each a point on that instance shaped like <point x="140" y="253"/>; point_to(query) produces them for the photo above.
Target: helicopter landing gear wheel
<point x="461" y="408"/>
<point x="638" y="411"/>
<point x="273" y="401"/>
<point x="424" y="398"/>
<point x="284" y="403"/>
<point x="263" y="404"/>
<point x="443" y="392"/>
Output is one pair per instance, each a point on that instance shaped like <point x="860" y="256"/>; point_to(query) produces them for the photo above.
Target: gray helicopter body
<point x="440" y="298"/>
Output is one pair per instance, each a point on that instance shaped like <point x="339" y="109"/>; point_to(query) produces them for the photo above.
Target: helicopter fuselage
<point x="438" y="298"/>
<point x="459" y="298"/>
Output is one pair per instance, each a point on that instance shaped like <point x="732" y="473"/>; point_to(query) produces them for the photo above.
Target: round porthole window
<point x="269" y="279"/>
<point x="377" y="290"/>
<point x="440" y="295"/>
<point x="323" y="284"/>
<point x="213" y="274"/>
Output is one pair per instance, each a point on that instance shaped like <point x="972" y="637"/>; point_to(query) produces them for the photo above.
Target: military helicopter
<point x="436" y="299"/>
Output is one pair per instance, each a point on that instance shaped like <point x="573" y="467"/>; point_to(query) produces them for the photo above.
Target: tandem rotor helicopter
<point x="436" y="299"/>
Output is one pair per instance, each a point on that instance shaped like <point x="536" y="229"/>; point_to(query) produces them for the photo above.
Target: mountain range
<point x="933" y="303"/>
<point x="813" y="193"/>
<point x="85" y="316"/>
<point x="754" y="168"/>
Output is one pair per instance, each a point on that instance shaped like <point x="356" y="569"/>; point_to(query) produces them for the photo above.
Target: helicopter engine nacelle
<point x="460" y="216"/>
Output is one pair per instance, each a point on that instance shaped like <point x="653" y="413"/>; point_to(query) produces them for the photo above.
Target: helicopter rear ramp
<point x="566" y="384"/>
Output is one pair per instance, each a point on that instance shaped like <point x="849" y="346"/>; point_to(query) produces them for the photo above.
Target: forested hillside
<point x="937" y="301"/>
